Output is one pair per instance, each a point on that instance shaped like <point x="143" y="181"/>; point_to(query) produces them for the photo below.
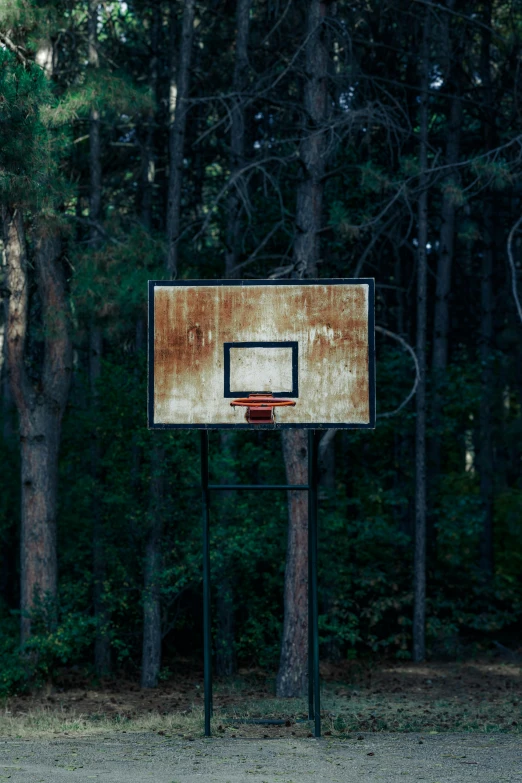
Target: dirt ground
<point x="443" y="758"/>
<point x="436" y="723"/>
<point x="481" y="695"/>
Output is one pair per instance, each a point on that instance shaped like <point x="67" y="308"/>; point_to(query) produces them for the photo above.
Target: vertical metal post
<point x="312" y="481"/>
<point x="207" y="641"/>
<point x="310" y="602"/>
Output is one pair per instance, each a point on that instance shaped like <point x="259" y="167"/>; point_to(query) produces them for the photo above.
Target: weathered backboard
<point x="311" y="341"/>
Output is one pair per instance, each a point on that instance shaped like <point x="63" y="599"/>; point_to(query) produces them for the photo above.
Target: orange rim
<point x="262" y="401"/>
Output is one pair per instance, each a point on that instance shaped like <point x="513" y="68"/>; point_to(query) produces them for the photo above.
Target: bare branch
<point x="410" y="350"/>
<point x="476" y="22"/>
<point x="16" y="50"/>
<point x="256" y="164"/>
<point x="325" y="441"/>
<point x="262" y="244"/>
<point x="513" y="266"/>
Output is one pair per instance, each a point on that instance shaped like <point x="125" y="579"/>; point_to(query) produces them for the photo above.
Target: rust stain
<point x="328" y="322"/>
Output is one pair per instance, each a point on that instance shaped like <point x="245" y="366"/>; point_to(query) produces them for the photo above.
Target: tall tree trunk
<point x="442" y="298"/>
<point x="312" y="148"/>
<point x="450" y="48"/>
<point x="419" y="586"/>
<point x="447" y="237"/>
<point x="292" y="676"/>
<point x="7" y="397"/>
<point x="226" y="663"/>
<point x="225" y="643"/>
<point x="102" y="643"/>
<point x="40" y="410"/>
<point x="102" y="650"/>
<point x="237" y="138"/>
<point x="485" y="455"/>
<point x="178" y="109"/>
<point x="152" y="632"/>
<point x="152" y="625"/>
<point x="179" y="93"/>
<point x="148" y="163"/>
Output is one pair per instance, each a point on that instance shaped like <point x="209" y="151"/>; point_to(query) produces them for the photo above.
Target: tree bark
<point x="40" y="409"/>
<point x="148" y="163"/>
<point x="225" y="643"/>
<point x="485" y="451"/>
<point x="226" y="663"/>
<point x="102" y="643"/>
<point x="419" y="586"/>
<point x="485" y="455"/>
<point x="152" y="563"/>
<point x="442" y="300"/>
<point x="312" y="149"/>
<point x="237" y="138"/>
<point x="447" y="241"/>
<point x="102" y="648"/>
<point x="151" y="650"/>
<point x="292" y="677"/>
<point x="179" y="93"/>
<point x="450" y="49"/>
<point x="178" y="108"/>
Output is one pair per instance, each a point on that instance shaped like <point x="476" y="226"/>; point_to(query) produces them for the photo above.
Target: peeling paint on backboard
<point x="330" y="320"/>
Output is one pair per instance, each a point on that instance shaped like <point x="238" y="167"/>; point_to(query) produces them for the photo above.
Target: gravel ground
<point x="134" y="758"/>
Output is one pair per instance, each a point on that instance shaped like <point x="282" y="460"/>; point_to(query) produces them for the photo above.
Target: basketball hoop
<point x="260" y="407"/>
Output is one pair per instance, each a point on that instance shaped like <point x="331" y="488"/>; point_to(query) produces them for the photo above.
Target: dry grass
<point x="484" y="697"/>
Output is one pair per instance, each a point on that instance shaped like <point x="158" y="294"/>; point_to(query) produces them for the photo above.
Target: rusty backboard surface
<point x="309" y="340"/>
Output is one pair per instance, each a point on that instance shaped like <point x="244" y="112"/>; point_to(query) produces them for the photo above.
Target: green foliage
<point x="29" y="150"/>
<point x="103" y="90"/>
<point x="111" y="282"/>
<point x="371" y="188"/>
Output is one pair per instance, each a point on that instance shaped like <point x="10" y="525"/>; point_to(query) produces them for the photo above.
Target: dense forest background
<point x="260" y="139"/>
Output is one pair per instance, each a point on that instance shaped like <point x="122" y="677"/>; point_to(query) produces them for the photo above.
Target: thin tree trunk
<point x="102" y="643"/>
<point x="447" y="241"/>
<point x="419" y="588"/>
<point x="40" y="410"/>
<point x="225" y="643"/>
<point x="226" y="663"/>
<point x="151" y="651"/>
<point x="485" y="455"/>
<point x="442" y="301"/>
<point x="292" y="676"/>
<point x="179" y="93"/>
<point x="450" y="48"/>
<point x="148" y="165"/>
<point x="237" y="138"/>
<point x="102" y="649"/>
<point x="153" y="560"/>
<point x="178" y="108"/>
<point x="95" y="189"/>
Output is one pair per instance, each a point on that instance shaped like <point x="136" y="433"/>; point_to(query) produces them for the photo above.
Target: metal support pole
<point x="314" y="707"/>
<point x="312" y="481"/>
<point x="310" y="602"/>
<point x="207" y="640"/>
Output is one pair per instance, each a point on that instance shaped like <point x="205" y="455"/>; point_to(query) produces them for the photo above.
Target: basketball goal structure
<point x="262" y="354"/>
